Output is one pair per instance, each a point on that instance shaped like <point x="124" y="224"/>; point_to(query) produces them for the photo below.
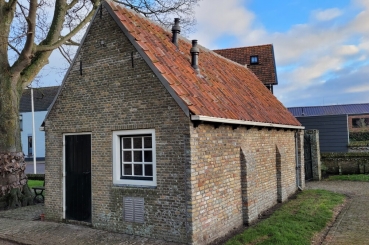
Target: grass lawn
<point x="295" y="222"/>
<point x="33" y="183"/>
<point x="352" y="177"/>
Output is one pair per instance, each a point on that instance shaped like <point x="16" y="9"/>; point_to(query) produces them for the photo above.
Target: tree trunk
<point x="14" y="191"/>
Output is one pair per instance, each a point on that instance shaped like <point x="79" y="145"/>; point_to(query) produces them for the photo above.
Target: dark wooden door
<point x="78" y="177"/>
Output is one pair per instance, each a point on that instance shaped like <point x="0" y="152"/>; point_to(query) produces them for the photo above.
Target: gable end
<point x="147" y="60"/>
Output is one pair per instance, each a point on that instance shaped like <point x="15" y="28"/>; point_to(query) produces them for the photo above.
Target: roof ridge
<point x="328" y="105"/>
<point x="267" y="44"/>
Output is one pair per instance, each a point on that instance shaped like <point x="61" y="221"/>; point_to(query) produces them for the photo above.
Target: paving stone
<point x="17" y="226"/>
<point x="351" y="225"/>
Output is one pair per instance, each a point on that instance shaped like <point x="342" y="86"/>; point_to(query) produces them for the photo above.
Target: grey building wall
<point x="333" y="131"/>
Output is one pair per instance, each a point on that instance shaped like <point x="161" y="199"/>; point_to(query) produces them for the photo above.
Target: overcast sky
<point x="321" y="46"/>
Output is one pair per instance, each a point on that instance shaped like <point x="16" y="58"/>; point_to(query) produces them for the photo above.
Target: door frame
<point x="64" y="175"/>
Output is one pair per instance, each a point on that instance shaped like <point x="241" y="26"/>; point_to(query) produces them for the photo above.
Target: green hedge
<point x="345" y="155"/>
<point x="359" y="143"/>
<point x="359" y="136"/>
<point x="36" y="176"/>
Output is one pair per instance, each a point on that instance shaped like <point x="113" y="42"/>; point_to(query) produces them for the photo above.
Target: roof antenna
<point x="195" y="55"/>
<point x="176" y="29"/>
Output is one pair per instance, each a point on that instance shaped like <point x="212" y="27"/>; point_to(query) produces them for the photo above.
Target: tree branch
<point x="71" y="5"/>
<point x="71" y="42"/>
<point x="26" y="55"/>
<point x="65" y="55"/>
<point x="13" y="48"/>
<point x="66" y="38"/>
<point x="12" y="3"/>
<point x="22" y="10"/>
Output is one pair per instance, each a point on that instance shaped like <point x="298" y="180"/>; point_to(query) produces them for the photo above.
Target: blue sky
<point x="321" y="46"/>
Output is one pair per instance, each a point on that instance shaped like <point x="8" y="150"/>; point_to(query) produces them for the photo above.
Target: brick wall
<point x="112" y="95"/>
<point x="209" y="180"/>
<point x="357" y="129"/>
<point x="234" y="176"/>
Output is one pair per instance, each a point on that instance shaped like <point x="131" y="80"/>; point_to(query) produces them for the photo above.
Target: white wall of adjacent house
<point x="26" y="134"/>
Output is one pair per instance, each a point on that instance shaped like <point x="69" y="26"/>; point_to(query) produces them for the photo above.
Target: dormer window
<point x="254" y="60"/>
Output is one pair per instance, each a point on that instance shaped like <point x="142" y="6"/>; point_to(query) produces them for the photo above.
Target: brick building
<point x="259" y="59"/>
<point x="146" y="138"/>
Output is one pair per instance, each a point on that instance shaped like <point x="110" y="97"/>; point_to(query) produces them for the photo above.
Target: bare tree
<point x="30" y="30"/>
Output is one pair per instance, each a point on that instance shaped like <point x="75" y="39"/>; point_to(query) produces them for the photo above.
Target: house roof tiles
<point x="42" y="97"/>
<point x="350" y="109"/>
<point x="265" y="70"/>
<point x="221" y="89"/>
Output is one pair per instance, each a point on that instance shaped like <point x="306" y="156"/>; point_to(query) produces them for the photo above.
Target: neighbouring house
<point x="42" y="98"/>
<point x="259" y="59"/>
<point x="154" y="136"/>
<point x="334" y="123"/>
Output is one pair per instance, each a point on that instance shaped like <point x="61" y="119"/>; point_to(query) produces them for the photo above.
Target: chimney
<point x="176" y="29"/>
<point x="195" y="55"/>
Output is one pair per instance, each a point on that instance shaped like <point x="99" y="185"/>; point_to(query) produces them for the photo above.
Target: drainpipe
<point x="298" y="166"/>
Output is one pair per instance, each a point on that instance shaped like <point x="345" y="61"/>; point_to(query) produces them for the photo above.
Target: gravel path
<point x="352" y="224"/>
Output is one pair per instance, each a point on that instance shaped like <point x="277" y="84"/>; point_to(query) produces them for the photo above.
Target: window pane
<point x="127" y="169"/>
<point x="137" y="143"/>
<point x="137" y="156"/>
<point x="127" y="156"/>
<point x="148" y="142"/>
<point x="138" y="169"/>
<point x="254" y="59"/>
<point x="148" y="170"/>
<point x="148" y="156"/>
<point x="127" y="143"/>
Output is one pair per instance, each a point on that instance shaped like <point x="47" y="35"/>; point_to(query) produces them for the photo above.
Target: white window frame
<point x="117" y="158"/>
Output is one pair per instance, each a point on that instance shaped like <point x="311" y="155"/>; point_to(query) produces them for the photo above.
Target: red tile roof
<point x="222" y="89"/>
<point x="265" y="70"/>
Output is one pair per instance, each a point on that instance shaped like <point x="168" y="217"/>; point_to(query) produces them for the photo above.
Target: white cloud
<point x="346" y="50"/>
<point x="328" y="14"/>
<point x="219" y="18"/>
<point x="358" y="89"/>
<point x="314" y="53"/>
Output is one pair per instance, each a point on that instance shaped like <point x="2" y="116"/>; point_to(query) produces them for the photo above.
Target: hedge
<point x="36" y="176"/>
<point x="359" y="136"/>
<point x="344" y="155"/>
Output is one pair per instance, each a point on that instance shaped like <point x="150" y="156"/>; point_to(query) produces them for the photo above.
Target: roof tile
<point x="42" y="97"/>
<point x="350" y="109"/>
<point x="265" y="70"/>
<point x="222" y="88"/>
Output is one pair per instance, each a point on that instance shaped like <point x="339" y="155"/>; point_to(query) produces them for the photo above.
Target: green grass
<point x="295" y="222"/>
<point x="33" y="183"/>
<point x="351" y="177"/>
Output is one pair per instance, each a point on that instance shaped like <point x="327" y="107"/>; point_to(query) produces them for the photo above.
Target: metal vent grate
<point x="134" y="209"/>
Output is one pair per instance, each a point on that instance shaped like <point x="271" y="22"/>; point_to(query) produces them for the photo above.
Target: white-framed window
<point x="134" y="157"/>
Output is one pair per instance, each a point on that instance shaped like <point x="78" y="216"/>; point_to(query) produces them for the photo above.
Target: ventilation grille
<point x="134" y="209"/>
